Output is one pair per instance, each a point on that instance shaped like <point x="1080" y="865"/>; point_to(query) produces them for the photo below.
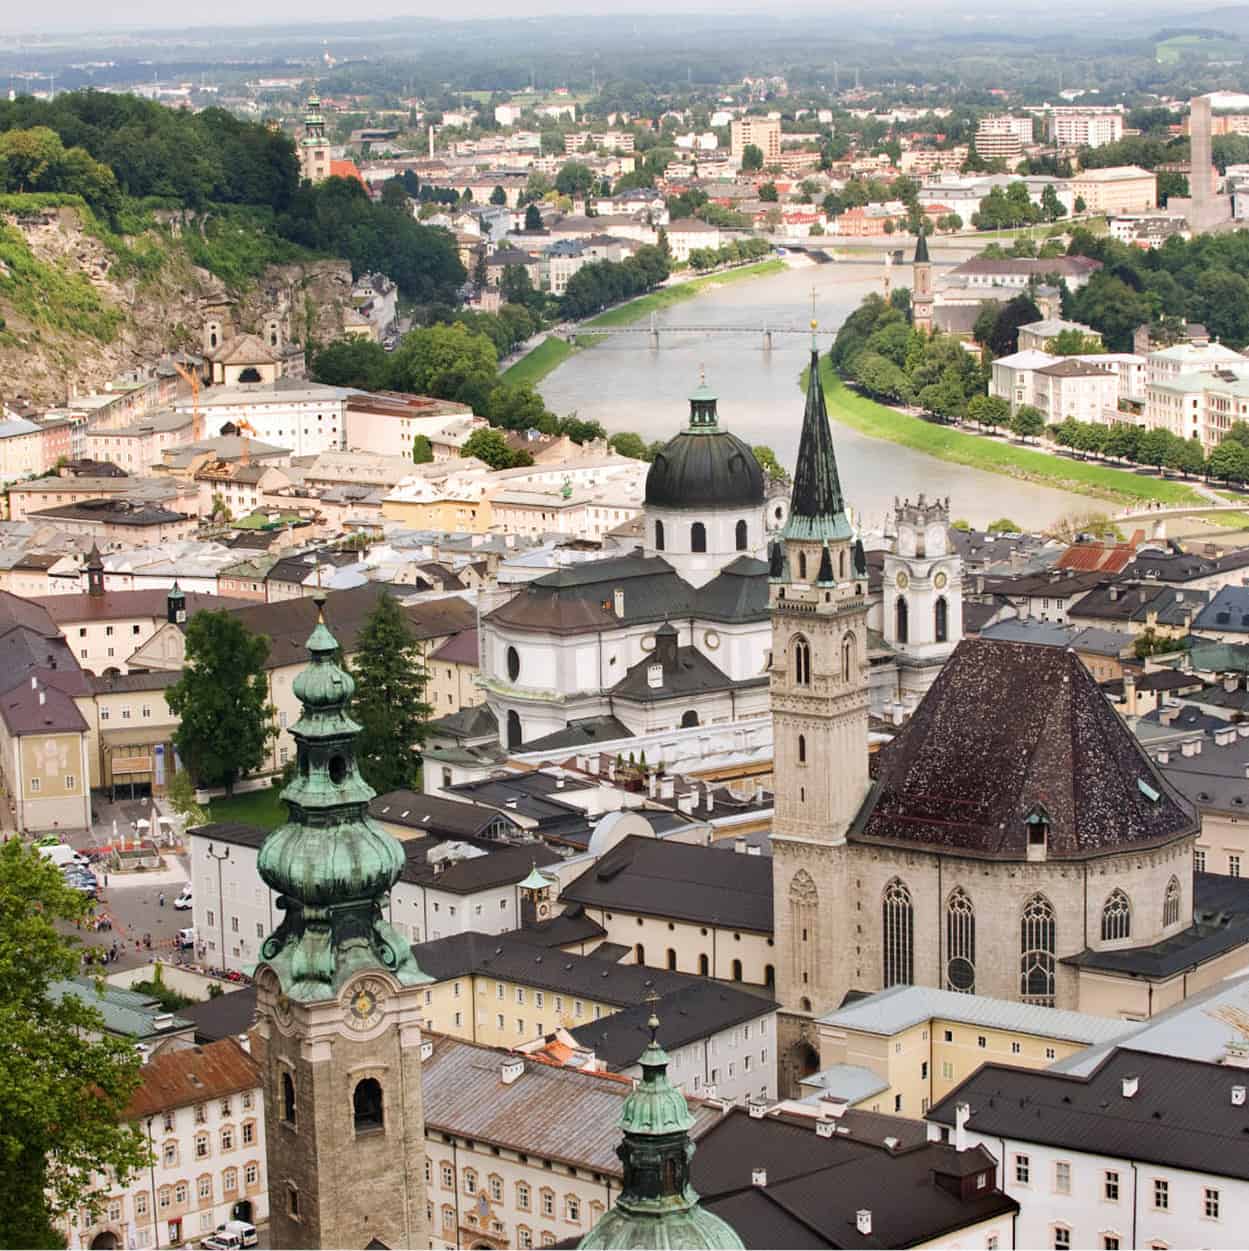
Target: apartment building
<point x="1084" y="127"/>
<point x="1118" y="189"/>
<point x="201" y="1110"/>
<point x="1003" y="138"/>
<point x="763" y="132"/>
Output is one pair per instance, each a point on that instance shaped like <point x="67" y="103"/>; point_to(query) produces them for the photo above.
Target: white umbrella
<point x="114" y="831"/>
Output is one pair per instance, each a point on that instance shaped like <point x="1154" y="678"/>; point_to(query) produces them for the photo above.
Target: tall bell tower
<point x="819" y="682"/>
<point x="339" y="998"/>
<point x="921" y="286"/>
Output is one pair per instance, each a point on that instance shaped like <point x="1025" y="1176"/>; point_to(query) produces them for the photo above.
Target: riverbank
<point x="537" y="363"/>
<point x="994" y="455"/>
<point x="634" y="310"/>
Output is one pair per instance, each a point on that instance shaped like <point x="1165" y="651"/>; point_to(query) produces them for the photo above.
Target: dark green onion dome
<point x="705" y="466"/>
<point x="331" y="864"/>
<point x="658" y="1207"/>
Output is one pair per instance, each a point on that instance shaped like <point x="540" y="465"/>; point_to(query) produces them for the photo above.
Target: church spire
<point x="921" y="248"/>
<point x="817" y="507"/>
<point x="330" y="863"/>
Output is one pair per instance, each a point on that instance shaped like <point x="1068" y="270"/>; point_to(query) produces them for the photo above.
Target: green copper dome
<point x="657" y="1206"/>
<point x="331" y="864"/>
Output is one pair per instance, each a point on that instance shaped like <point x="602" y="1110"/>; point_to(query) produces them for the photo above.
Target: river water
<point x="628" y="385"/>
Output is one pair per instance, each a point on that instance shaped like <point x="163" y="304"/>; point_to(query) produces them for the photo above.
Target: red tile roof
<point x="345" y="169"/>
<point x="177" y="1079"/>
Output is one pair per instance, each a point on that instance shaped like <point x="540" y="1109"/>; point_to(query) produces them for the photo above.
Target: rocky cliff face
<point x="77" y="313"/>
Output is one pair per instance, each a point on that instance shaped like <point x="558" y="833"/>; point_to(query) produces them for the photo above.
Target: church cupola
<point x="330" y="863"/>
<point x="703" y="416"/>
<point x="657" y="1206"/>
<point x="95" y="572"/>
<point x="535" y="898"/>
<point x="175" y="606"/>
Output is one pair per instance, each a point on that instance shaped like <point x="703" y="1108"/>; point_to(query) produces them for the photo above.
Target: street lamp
<point x="221" y="903"/>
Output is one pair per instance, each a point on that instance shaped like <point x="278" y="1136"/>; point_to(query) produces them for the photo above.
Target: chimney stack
<point x="962" y="1113"/>
<point x="863" y="1221"/>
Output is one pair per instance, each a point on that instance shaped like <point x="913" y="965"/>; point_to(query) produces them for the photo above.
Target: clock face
<point x="902" y="581"/>
<point x="939" y="581"/>
<point x="362" y="1008"/>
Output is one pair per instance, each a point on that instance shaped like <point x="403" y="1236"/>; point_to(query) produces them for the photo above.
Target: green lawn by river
<point x="666" y="297"/>
<point x="995" y="455"/>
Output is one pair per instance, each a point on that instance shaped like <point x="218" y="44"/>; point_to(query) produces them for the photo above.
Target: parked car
<point x="186" y="938"/>
<point x="61" y="854"/>
<point x="244" y="1231"/>
<point x="183" y="902"/>
<point x="220" y="1242"/>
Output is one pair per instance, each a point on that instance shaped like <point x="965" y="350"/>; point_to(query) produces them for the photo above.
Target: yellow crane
<point x="191" y="378"/>
<point x="245" y="428"/>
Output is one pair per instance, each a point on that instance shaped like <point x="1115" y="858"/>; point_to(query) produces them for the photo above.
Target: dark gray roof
<point x="960" y="779"/>
<point x="432" y="814"/>
<point x="656" y="877"/>
<point x="739" y="592"/>
<point x="475" y="721"/>
<point x="705" y="469"/>
<point x="685" y="1016"/>
<point x="501" y="865"/>
<point x="692" y="674"/>
<point x="1182" y="1115"/>
<point x="1214" y="779"/>
<point x="234" y="832"/>
<point x="573" y="925"/>
<point x="581" y="733"/>
<point x="1184" y="566"/>
<point x="226" y="1016"/>
<point x="815" y="1186"/>
<point x="1227" y="612"/>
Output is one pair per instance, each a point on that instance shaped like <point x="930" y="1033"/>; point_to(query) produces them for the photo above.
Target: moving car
<point x="183" y="902"/>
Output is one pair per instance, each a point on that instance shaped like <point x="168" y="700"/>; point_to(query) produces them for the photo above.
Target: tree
<point x="768" y="462"/>
<point x="752" y="157"/>
<point x="574" y="179"/>
<point x="390" y="701"/>
<point x="69" y="1082"/>
<point x="1004" y="337"/>
<point x="1003" y="525"/>
<point x="422" y="450"/>
<point x="498" y="196"/>
<point x="533" y="217"/>
<point x="180" y="792"/>
<point x="1051" y="205"/>
<point x="1122" y="441"/>
<point x="768" y="193"/>
<point x="1079" y="204"/>
<point x="1028" y="422"/>
<point x="1153" y="447"/>
<point x="481" y="273"/>
<point x="490" y="445"/>
<point x="988" y="410"/>
<point x="1075" y="343"/>
<point x="221" y="700"/>
<point x="1230" y="461"/>
<point x="352" y="362"/>
<point x="626" y="443"/>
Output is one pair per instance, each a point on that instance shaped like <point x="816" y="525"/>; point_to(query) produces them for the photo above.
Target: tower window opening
<point x="367" y="1105"/>
<point x="698" y="537"/>
<point x="742" y="536"/>
<point x="941" y="619"/>
<point x="659" y="536"/>
<point x="288" y="1099"/>
<point x="901" y="621"/>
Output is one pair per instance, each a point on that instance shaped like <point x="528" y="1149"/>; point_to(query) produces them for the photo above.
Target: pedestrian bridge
<point x="653" y="330"/>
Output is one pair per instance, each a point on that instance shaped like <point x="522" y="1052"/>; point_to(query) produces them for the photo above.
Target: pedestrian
<point x="106" y="881"/>
<point x="162" y="899"/>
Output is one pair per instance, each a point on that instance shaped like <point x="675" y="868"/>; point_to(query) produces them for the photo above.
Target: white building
<point x="1076" y="387"/>
<point x="1003" y="138"/>
<point x="1144" y="1151"/>
<point x="306" y="417"/>
<point x="201" y="1110"/>
<point x="1084" y="127"/>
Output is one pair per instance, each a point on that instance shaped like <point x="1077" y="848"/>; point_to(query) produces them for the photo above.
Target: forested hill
<point x="117" y="213"/>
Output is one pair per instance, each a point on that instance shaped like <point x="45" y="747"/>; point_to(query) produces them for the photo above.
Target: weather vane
<point x="653" y="1021"/>
<point x="814" y="323"/>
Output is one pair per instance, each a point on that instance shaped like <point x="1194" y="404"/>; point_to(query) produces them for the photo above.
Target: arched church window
<point x="288" y="1098"/>
<point x="672" y="958"/>
<point x="698" y="537"/>
<point x="960" y="942"/>
<point x="659" y="536"/>
<point x="802" y="662"/>
<point x="513" y="664"/>
<point x="689" y="718"/>
<point x="841" y="565"/>
<point x="901" y="620"/>
<point x="1036" y="952"/>
<point x="704" y="966"/>
<point x="941" y="619"/>
<point x="737" y="970"/>
<point x="802" y="749"/>
<point x="847" y="657"/>
<point x="742" y="536"/>
<point x="640" y="953"/>
<point x="250" y="374"/>
<point x="1171" y="905"/>
<point x="898" y="933"/>
<point x="802" y="566"/>
<point x="367" y="1105"/>
<point x="513" y="728"/>
<point x="1116" y="917"/>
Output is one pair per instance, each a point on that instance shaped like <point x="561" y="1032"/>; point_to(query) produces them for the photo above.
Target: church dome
<point x="704" y="466"/>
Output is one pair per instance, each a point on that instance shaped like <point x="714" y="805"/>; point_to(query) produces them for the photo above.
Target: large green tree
<point x="66" y="1082"/>
<point x="490" y="445"/>
<point x="390" y="700"/>
<point x="222" y="700"/>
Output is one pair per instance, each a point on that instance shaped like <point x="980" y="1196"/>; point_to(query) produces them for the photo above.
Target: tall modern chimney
<point x="1200" y="161"/>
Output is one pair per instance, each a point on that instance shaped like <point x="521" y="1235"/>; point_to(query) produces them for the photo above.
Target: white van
<point x="62" y="854"/>
<point x="244" y="1231"/>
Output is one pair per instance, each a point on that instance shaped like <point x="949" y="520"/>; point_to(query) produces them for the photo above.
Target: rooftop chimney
<point x="962" y="1112"/>
<point x="1131" y="1085"/>
<point x="826" y="1129"/>
<point x="511" y="1069"/>
<point x="1238" y="1096"/>
<point x="758" y="1176"/>
<point x="739" y="844"/>
<point x="863" y="1221"/>
<point x="756" y="1109"/>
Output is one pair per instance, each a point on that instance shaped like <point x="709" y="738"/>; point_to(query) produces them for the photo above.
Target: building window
<point x="1162" y="1194"/>
<point x="140" y="1203"/>
<point x="288" y="1098"/>
<point x="741" y="535"/>
<point x="802" y="662"/>
<point x="548" y="1202"/>
<point x="847" y="657"/>
<point x="251" y="1175"/>
<point x="522" y="1196"/>
<point x="941" y="620"/>
<point x="494" y="1183"/>
<point x="802" y="749"/>
<point x="1199" y="859"/>
<point x="164" y="1198"/>
<point x="659" y="536"/>
<point x="1023" y="1170"/>
<point x="898" y="926"/>
<point x="448" y="1176"/>
<point x="292" y="1202"/>
<point x="572" y="1209"/>
<point x="1062" y="1238"/>
<point x="513" y="664"/>
<point x="698" y="537"/>
<point x="704" y="966"/>
<point x="470" y="1181"/>
<point x="367" y="1106"/>
<point x="170" y="1154"/>
<point x="1233" y="866"/>
<point x="230" y="1180"/>
<point x="1110" y="1186"/>
<point x="1210" y="1203"/>
<point x="205" y="1188"/>
<point x="901" y="623"/>
<point x="960" y="929"/>
<point x="249" y="1133"/>
<point x="524" y="1236"/>
<point x="201" y="1146"/>
<point x="1036" y="943"/>
<point x="180" y="1192"/>
<point x="1110" y="1242"/>
<point x="1062" y="1177"/>
<point x="34" y="786"/>
<point x="1116" y="917"/>
<point x="227" y="1138"/>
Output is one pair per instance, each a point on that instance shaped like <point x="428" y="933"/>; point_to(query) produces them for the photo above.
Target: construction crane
<point x="245" y="428"/>
<point x="191" y="378"/>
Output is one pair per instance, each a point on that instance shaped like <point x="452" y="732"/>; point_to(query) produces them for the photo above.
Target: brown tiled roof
<point x="24" y="713"/>
<point x="177" y="1079"/>
<point x="245" y="349"/>
<point x="459" y="649"/>
<point x="118" y="605"/>
<point x="959" y="779"/>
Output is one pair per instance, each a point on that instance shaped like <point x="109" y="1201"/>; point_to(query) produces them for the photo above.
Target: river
<point x="627" y="385"/>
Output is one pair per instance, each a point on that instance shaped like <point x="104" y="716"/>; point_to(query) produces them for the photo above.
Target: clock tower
<point x="339" y="998"/>
<point x="819" y="687"/>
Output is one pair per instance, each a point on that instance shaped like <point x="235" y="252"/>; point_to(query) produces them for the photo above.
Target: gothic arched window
<point x="841" y="565"/>
<point x="802" y="566"/>
<point x="802" y="662"/>
<point x="847" y="657"/>
<point x="659" y="536"/>
<point x="941" y="619"/>
<point x="1036" y="952"/>
<point x="367" y="1104"/>
<point x="742" y="536"/>
<point x="698" y="537"/>
<point x="1116" y="917"/>
<point x="802" y="749"/>
<point x="960" y="942"/>
<point x="898" y="934"/>
<point x="1171" y="905"/>
<point x="901" y="624"/>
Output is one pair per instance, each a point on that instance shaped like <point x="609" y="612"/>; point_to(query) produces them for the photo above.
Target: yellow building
<point x="453" y="670"/>
<point x="904" y="1049"/>
<point x="1119" y="189"/>
<point x="451" y="511"/>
